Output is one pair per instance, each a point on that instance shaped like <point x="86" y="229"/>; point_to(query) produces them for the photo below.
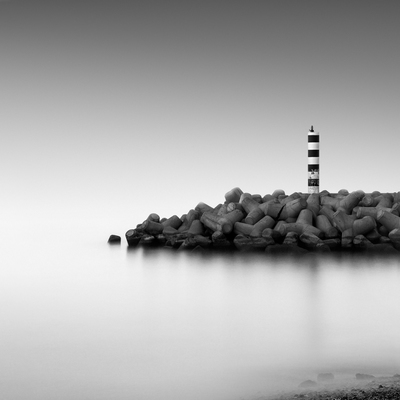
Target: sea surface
<point x="82" y="319"/>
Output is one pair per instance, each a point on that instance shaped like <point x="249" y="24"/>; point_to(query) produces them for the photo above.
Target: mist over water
<point x="114" y="110"/>
<point x="83" y="319"/>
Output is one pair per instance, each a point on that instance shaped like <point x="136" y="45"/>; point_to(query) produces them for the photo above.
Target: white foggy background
<point x="112" y="110"/>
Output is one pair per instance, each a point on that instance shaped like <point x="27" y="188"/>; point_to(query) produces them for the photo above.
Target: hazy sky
<point x="152" y="106"/>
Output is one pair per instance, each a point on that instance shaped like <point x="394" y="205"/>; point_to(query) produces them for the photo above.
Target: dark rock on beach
<point x="114" y="239"/>
<point x="177" y="240"/>
<point x="220" y="241"/>
<point x="383" y="388"/>
<point x="133" y="237"/>
<point x="148" y="240"/>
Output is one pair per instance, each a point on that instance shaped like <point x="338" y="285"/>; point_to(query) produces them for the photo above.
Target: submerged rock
<point x="365" y="377"/>
<point x="324" y="377"/>
<point x="307" y="384"/>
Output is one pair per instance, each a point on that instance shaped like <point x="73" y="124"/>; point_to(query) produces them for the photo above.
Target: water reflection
<point x="284" y="317"/>
<point x="105" y="322"/>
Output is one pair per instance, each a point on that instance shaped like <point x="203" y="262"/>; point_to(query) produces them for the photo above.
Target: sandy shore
<point x="378" y="388"/>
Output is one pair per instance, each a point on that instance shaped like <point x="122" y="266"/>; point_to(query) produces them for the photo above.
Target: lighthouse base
<point x="313" y="189"/>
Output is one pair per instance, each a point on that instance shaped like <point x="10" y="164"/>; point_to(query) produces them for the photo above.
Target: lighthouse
<point x="313" y="161"/>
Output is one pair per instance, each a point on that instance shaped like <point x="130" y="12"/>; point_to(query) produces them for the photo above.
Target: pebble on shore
<point x="377" y="388"/>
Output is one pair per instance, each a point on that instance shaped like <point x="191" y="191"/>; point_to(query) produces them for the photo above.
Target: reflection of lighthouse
<point x="313" y="161"/>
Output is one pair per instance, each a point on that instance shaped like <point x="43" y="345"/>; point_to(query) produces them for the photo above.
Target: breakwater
<point x="281" y="223"/>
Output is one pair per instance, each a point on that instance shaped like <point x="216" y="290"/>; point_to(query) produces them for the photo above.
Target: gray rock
<point x="202" y="241"/>
<point x="259" y="243"/>
<point x="220" y="241"/>
<point x="364" y="377"/>
<point x="114" y="239"/>
<point x="188" y="244"/>
<point x="291" y="238"/>
<point x="133" y="236"/>
<point x="148" y="240"/>
<point x="161" y="239"/>
<point x="243" y="243"/>
<point x="177" y="240"/>
<point x="324" y="377"/>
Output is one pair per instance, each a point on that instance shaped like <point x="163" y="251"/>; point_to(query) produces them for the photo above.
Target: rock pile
<point x="296" y="223"/>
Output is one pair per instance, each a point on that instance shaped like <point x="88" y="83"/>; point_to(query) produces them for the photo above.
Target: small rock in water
<point x="325" y="377"/>
<point x="308" y="383"/>
<point x="364" y="376"/>
<point x="114" y="239"/>
<point x="133" y="236"/>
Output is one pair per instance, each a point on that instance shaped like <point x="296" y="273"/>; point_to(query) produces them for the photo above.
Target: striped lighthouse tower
<point x="313" y="161"/>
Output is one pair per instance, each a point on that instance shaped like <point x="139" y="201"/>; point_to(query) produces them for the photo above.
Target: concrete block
<point x="234" y="206"/>
<point x="363" y="225"/>
<point x="342" y="220"/>
<point x="347" y="238"/>
<point x="233" y="196"/>
<point x="203" y="207"/>
<point x="388" y="220"/>
<point x="293" y="208"/>
<point x="350" y="201"/>
<point x="173" y="221"/>
<point x="241" y="228"/>
<point x="323" y="224"/>
<point x="152" y="228"/>
<point x="196" y="228"/>
<point x="305" y="217"/>
<point x="272" y="208"/>
<point x="261" y="225"/>
<point x="254" y="216"/>
<point x="216" y="222"/>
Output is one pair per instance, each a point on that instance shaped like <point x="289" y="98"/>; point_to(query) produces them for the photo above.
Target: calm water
<point x="85" y="320"/>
